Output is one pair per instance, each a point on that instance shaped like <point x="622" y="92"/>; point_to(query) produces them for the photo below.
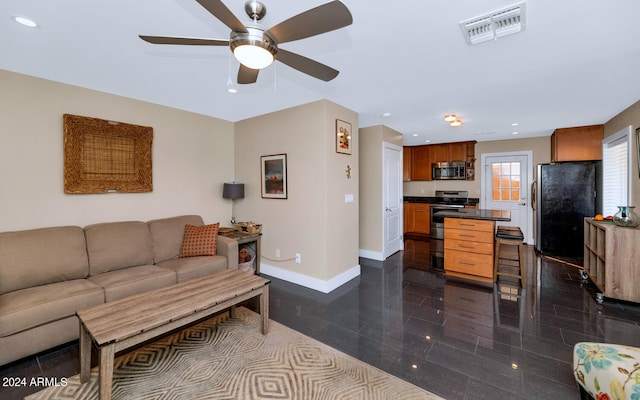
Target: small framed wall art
<point x="343" y="137"/>
<point x="273" y="174"/>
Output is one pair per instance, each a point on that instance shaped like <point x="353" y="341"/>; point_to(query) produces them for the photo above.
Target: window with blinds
<point x="615" y="171"/>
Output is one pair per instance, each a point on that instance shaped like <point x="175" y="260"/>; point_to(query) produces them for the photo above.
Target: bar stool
<point x="510" y="236"/>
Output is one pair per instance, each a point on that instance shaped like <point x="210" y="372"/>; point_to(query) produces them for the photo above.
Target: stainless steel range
<point x="445" y="200"/>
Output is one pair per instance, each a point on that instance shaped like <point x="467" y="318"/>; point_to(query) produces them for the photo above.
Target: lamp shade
<point x="233" y="190"/>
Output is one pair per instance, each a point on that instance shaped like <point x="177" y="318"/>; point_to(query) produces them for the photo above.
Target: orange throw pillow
<point x="199" y="240"/>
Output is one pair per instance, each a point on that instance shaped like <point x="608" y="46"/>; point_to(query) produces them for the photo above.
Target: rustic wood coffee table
<point x="124" y="323"/>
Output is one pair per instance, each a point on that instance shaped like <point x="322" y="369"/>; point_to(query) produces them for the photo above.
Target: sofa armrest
<point x="607" y="370"/>
<point x="229" y="248"/>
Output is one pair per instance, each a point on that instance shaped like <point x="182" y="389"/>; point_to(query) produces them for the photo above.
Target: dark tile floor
<point x="453" y="338"/>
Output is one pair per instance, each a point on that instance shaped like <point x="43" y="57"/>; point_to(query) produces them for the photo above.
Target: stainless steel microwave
<point x="448" y="170"/>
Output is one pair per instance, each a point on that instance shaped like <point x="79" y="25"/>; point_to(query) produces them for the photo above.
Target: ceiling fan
<point x="256" y="47"/>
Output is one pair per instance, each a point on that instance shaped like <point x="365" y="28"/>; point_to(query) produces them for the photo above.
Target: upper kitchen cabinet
<point x="439" y="153"/>
<point x="406" y="163"/>
<point x="420" y="163"/>
<point x="582" y="143"/>
<point x="458" y="151"/>
<point x="418" y="159"/>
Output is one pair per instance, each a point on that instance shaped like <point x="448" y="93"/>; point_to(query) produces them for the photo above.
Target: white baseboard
<point x="372" y="255"/>
<point x="308" y="281"/>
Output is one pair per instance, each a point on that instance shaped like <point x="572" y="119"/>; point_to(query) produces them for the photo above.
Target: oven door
<point x="437" y="221"/>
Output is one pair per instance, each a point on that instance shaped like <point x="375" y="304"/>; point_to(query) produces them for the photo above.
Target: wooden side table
<point x="252" y="240"/>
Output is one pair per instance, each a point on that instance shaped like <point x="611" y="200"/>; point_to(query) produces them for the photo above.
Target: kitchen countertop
<point x="476" y="213"/>
<point x="471" y="201"/>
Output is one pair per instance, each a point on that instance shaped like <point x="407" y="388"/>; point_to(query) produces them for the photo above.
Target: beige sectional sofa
<point x="47" y="274"/>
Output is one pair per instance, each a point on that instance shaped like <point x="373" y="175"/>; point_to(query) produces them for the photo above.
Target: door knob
<point x="523" y="204"/>
<point x="387" y="209"/>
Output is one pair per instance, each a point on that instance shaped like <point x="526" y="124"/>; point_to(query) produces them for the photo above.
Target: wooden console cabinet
<point x="612" y="259"/>
<point x="468" y="248"/>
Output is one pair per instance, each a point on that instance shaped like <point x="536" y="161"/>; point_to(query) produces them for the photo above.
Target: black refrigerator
<point x="565" y="193"/>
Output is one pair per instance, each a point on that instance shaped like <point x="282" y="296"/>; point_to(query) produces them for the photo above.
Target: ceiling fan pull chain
<point x="275" y="78"/>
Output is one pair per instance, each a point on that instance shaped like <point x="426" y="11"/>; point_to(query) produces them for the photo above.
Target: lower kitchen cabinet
<point x="417" y="218"/>
<point x="612" y="259"/>
<point x="469" y="248"/>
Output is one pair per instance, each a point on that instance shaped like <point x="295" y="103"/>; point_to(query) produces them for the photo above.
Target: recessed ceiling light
<point x="386" y="114"/>
<point x="427" y="141"/>
<point x="415" y="134"/>
<point x="456" y="122"/>
<point x="25" y="21"/>
<point x="515" y="132"/>
<point x="515" y="124"/>
<point x="450" y="117"/>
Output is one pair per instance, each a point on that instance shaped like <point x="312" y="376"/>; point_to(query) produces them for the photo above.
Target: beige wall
<point x="191" y="158"/>
<point x="371" y="226"/>
<point x="630" y="116"/>
<point x="540" y="146"/>
<point x="314" y="220"/>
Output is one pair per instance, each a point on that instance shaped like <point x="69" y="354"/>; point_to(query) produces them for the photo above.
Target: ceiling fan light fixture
<point x="253" y="57"/>
<point x="253" y="49"/>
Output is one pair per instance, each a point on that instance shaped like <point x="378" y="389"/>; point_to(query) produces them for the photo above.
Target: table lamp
<point x="233" y="191"/>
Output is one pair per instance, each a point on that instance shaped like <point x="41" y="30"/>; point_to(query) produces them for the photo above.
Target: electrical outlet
<point x="277" y="252"/>
<point x="298" y="258"/>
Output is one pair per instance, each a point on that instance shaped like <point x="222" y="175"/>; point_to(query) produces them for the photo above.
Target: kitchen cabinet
<point x="408" y="220"/>
<point x="418" y="159"/>
<point x="420" y="163"/>
<point x="417" y="218"/>
<point x="582" y="143"/>
<point x="458" y="151"/>
<point x="439" y="153"/>
<point x="469" y="248"/>
<point x="406" y="164"/>
<point x="611" y="259"/>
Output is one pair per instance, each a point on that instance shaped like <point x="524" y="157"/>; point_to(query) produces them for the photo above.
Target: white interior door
<point x="506" y="185"/>
<point x="392" y="198"/>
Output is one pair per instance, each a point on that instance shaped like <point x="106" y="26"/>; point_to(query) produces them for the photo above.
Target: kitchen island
<point x="469" y="236"/>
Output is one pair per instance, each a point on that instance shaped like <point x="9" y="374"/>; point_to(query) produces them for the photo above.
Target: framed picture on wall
<point x="273" y="174"/>
<point x="343" y="137"/>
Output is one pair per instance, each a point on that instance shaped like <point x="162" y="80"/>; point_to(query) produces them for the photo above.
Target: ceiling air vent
<point x="505" y="21"/>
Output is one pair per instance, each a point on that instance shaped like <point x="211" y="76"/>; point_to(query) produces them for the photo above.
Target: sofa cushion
<point x="40" y="256"/>
<point x="199" y="240"/>
<point x="133" y="280"/>
<point x="167" y="235"/>
<point x="28" y="308"/>
<point x="113" y="246"/>
<point x="195" y="267"/>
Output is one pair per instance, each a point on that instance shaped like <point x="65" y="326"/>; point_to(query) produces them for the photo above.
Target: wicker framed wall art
<point x="103" y="156"/>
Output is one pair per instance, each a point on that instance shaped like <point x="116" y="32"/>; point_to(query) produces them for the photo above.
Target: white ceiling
<point x="577" y="62"/>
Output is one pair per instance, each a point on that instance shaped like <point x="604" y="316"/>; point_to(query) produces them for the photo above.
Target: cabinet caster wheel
<point x="600" y="298"/>
<point x="584" y="276"/>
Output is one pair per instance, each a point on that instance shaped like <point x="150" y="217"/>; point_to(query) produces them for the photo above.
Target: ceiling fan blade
<point x="220" y="11"/>
<point x="247" y="75"/>
<point x="324" y="18"/>
<point x="187" y="41"/>
<point x="307" y="65"/>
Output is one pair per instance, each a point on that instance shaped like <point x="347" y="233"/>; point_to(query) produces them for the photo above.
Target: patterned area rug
<point x="225" y="358"/>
